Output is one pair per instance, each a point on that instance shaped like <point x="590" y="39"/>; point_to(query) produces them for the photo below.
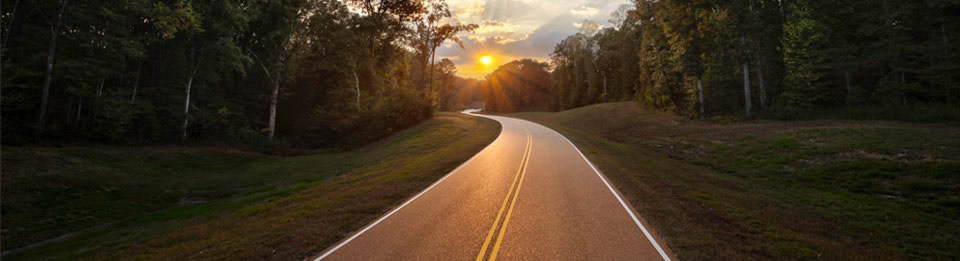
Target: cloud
<point x="470" y="10"/>
<point x="588" y="26"/>
<point x="508" y="10"/>
<point x="491" y="23"/>
<point x="514" y="29"/>
<point x="503" y="32"/>
<point x="451" y="58"/>
<point x="584" y="11"/>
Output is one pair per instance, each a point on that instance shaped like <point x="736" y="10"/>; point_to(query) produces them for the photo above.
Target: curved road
<point x="529" y="195"/>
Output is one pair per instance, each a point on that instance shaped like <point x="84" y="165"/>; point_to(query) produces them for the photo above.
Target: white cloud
<point x="588" y="25"/>
<point x="584" y="11"/>
<point x="452" y="58"/>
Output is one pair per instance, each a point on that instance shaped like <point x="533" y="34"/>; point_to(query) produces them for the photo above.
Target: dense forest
<point x="788" y="59"/>
<point x="344" y="73"/>
<point x="314" y="73"/>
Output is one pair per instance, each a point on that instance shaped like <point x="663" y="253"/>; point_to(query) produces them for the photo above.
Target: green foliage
<point x="804" y="43"/>
<point x="124" y="69"/>
<point x="170" y="21"/>
<point x="803" y="56"/>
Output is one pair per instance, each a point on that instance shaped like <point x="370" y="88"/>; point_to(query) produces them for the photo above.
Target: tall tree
<point x="804" y="45"/>
<point x="51" y="55"/>
<point x="211" y="50"/>
<point x="273" y="24"/>
<point x="443" y="33"/>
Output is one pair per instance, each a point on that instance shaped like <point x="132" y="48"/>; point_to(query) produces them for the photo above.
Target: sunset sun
<point x="485" y="59"/>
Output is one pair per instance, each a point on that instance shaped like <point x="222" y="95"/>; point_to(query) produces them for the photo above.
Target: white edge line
<point x="635" y="220"/>
<point x="414" y="198"/>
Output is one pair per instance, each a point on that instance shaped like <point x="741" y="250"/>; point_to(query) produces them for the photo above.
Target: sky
<point x="514" y="29"/>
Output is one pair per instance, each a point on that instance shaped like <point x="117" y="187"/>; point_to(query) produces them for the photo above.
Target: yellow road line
<point x="496" y="222"/>
<point x="503" y="229"/>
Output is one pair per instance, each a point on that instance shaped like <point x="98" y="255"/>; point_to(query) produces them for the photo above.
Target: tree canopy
<point x="706" y="57"/>
<point x="313" y="73"/>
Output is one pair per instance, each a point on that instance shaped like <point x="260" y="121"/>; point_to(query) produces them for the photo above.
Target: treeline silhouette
<point x="783" y="59"/>
<point x="311" y="72"/>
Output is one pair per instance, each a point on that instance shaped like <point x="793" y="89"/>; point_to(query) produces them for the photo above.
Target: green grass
<point x="177" y="203"/>
<point x="779" y="190"/>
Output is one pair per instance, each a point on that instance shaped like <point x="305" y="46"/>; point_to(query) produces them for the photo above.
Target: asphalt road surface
<point x="529" y="195"/>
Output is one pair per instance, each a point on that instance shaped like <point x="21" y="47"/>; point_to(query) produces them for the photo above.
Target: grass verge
<point x="859" y="190"/>
<point x="208" y="203"/>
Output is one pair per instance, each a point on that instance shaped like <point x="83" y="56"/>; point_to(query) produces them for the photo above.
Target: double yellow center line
<point x="514" y="190"/>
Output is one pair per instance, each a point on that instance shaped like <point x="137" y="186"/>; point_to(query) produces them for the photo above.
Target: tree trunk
<point x="576" y="85"/>
<point x="356" y="81"/>
<point x="433" y="59"/>
<point x="700" y="95"/>
<point x="186" y="105"/>
<point x="846" y="78"/>
<point x="746" y="86"/>
<point x="423" y="71"/>
<point x="48" y="78"/>
<point x="590" y="76"/>
<point x="426" y="58"/>
<point x="273" y="104"/>
<point x="69" y="115"/>
<point x="96" y="101"/>
<point x="136" y="83"/>
<point x="903" y="87"/>
<point x="79" y="109"/>
<point x="746" y="81"/>
<point x="760" y="82"/>
<point x="604" y="83"/>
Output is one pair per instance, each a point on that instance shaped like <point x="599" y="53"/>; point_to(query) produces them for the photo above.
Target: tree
<point x="211" y="49"/>
<point x="182" y="66"/>
<point x="448" y="86"/>
<point x="432" y="33"/>
<point x="444" y="33"/>
<point x="804" y="42"/>
<point x="273" y="25"/>
<point x="51" y="55"/>
<point x="687" y="31"/>
<point x="387" y="15"/>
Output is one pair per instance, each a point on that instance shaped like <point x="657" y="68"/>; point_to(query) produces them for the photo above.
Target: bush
<point x="910" y="113"/>
<point x="344" y="125"/>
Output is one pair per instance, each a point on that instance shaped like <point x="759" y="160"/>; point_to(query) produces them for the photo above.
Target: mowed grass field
<point x="210" y="203"/>
<point x="851" y="190"/>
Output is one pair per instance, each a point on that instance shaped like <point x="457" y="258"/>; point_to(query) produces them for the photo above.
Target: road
<point x="530" y="195"/>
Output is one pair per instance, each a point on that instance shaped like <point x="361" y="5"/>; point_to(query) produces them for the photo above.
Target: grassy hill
<point x="215" y="203"/>
<point x="778" y="190"/>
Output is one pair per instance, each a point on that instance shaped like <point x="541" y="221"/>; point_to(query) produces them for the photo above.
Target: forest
<point x="345" y="73"/>
<point x="775" y="59"/>
<point x="311" y="73"/>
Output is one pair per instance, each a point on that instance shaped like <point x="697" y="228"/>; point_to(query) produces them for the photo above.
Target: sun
<point x="485" y="59"/>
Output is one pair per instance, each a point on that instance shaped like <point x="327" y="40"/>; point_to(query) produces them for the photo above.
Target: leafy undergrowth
<point x="779" y="190"/>
<point x="207" y="203"/>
